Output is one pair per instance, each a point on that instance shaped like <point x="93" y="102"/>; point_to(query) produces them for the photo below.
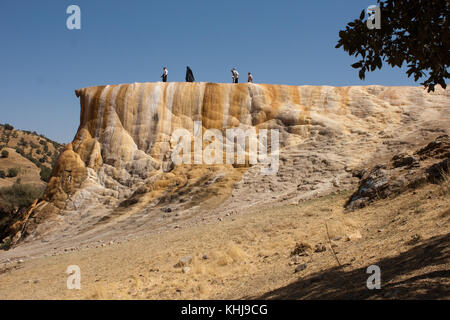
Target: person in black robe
<point x="189" y="75"/>
<point x="164" y="75"/>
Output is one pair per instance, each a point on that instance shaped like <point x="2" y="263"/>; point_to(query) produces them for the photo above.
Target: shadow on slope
<point x="409" y="275"/>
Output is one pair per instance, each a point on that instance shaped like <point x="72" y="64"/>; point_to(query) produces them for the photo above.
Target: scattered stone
<point x="184" y="262"/>
<point x="301" y="249"/>
<point x="132" y="291"/>
<point x="402" y="160"/>
<point x="186" y="269"/>
<point x="20" y="261"/>
<point x="320" y="247"/>
<point x="336" y="238"/>
<point x="295" y="260"/>
<point x="414" y="239"/>
<point x="355" y="236"/>
<point x="205" y="257"/>
<point x="300" y="268"/>
<point x="36" y="281"/>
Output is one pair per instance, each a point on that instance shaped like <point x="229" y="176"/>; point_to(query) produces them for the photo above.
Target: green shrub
<point x="20" y="195"/>
<point x="8" y="126"/>
<point x="38" y="151"/>
<point x="20" y="151"/>
<point x="2" y="174"/>
<point x="13" y="172"/>
<point x="5" y="154"/>
<point x="45" y="174"/>
<point x="6" y="243"/>
<point x="22" y="142"/>
<point x="36" y="162"/>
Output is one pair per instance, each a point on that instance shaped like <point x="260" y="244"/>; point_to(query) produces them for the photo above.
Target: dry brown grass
<point x="247" y="255"/>
<point x="444" y="186"/>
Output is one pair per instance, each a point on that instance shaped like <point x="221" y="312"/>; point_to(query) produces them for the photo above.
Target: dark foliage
<point x="13" y="172"/>
<point x="415" y="32"/>
<point x="45" y="174"/>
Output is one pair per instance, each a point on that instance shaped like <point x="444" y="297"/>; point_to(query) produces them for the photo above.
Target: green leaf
<point x="363" y="14"/>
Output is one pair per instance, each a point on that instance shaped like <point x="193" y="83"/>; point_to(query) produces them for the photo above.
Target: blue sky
<point x="280" y="42"/>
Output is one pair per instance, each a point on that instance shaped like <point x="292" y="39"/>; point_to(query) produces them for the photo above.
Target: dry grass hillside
<point x="408" y="237"/>
<point x="31" y="154"/>
<point x="26" y="161"/>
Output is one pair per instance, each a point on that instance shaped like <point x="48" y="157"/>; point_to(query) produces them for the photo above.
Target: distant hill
<point x="26" y="161"/>
<point x="26" y="155"/>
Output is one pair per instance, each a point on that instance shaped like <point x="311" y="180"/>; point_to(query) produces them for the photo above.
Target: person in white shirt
<point x="164" y="75"/>
<point x="235" y="76"/>
<point x="250" y="78"/>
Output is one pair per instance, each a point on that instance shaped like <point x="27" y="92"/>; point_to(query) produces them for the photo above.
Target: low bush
<point x="45" y="174"/>
<point x="20" y="151"/>
<point x="19" y="195"/>
<point x="13" y="172"/>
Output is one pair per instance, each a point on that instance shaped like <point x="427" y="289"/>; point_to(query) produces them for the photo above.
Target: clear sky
<point x="280" y="42"/>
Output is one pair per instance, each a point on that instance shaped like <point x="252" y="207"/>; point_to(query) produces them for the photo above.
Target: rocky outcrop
<point x="119" y="170"/>
<point x="404" y="171"/>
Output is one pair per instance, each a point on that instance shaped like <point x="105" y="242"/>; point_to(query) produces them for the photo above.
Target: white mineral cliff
<point x="117" y="174"/>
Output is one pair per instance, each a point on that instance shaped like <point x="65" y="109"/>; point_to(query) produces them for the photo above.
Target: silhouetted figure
<point x="164" y="75"/>
<point x="189" y="75"/>
<point x="235" y="76"/>
<point x="250" y="78"/>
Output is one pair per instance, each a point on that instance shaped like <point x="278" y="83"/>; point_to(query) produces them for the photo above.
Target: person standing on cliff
<point x="250" y="78"/>
<point x="189" y="75"/>
<point x="164" y="75"/>
<point x="235" y="75"/>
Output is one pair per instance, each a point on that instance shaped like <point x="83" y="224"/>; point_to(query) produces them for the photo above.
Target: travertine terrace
<point x="117" y="179"/>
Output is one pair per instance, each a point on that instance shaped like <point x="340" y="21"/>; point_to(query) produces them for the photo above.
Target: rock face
<point x="404" y="171"/>
<point x="118" y="171"/>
